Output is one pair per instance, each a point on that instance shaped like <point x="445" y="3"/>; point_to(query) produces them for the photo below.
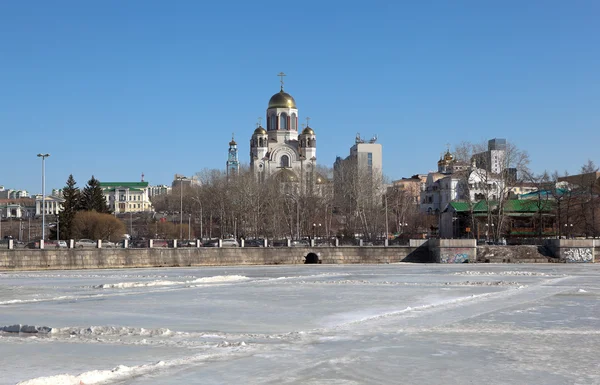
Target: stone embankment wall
<point x="453" y="250"/>
<point x="26" y="259"/>
<point x="423" y="251"/>
<point x="574" y="250"/>
<point x="514" y="254"/>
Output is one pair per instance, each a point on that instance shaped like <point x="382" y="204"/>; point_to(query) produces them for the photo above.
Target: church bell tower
<point x="233" y="164"/>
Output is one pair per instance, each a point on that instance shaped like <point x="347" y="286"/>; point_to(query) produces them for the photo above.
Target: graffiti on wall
<point x="456" y="255"/>
<point x="578" y="255"/>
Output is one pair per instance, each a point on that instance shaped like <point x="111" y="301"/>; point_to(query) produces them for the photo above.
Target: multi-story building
<point x="127" y="197"/>
<point x="13" y="194"/>
<point x="182" y="180"/>
<point x="411" y="187"/>
<point x="494" y="159"/>
<point x="158" y="190"/>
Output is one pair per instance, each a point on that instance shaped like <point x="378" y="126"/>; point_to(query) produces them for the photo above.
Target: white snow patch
<point x="122" y="373"/>
<point x="215" y="279"/>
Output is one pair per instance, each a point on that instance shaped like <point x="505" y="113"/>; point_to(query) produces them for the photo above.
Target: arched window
<point x="283" y="121"/>
<point x="285" y="161"/>
<point x="293" y="123"/>
<point x="272" y="122"/>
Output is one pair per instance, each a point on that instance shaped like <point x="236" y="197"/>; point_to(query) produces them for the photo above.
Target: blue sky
<point x="117" y="88"/>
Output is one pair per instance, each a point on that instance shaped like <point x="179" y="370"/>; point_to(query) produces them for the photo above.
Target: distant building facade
<point x="50" y="204"/>
<point x="182" y="180"/>
<point x="127" y="197"/>
<point x="13" y="194"/>
<point x="494" y="159"/>
<point x="158" y="190"/>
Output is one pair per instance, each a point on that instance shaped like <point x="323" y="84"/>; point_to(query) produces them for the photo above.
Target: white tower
<point x="282" y="116"/>
<point x="307" y="143"/>
<point x="258" y="144"/>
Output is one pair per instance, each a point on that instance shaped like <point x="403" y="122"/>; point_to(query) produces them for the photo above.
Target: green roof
<point x="460" y="206"/>
<point x="139" y="185"/>
<point x="510" y="206"/>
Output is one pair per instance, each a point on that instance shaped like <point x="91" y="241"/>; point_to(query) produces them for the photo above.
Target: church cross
<point x="307" y="121"/>
<point x="281" y="75"/>
<point x="259" y="122"/>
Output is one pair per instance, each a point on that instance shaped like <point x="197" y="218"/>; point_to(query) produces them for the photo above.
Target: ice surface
<point x="313" y="324"/>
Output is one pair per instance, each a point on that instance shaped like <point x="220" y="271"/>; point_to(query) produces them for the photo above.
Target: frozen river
<point x="310" y="324"/>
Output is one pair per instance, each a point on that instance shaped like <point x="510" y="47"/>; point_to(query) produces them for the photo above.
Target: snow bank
<point x="516" y="272"/>
<point x="25" y="329"/>
<point x="123" y="373"/>
<point x="129" y="285"/>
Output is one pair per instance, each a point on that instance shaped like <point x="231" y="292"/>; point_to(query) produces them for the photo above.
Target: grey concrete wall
<point x="574" y="250"/>
<point x="453" y="250"/>
<point x="26" y="259"/>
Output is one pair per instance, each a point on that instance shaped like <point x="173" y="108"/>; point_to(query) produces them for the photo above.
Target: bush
<point x="94" y="225"/>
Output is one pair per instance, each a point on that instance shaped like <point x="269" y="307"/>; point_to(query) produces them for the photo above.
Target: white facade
<point x="279" y="150"/>
<point x="441" y="189"/>
<point x="52" y="205"/>
<point x="13" y="194"/>
<point x="368" y="156"/>
<point x="127" y="197"/>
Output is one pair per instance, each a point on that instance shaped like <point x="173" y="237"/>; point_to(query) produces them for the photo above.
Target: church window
<point x="283" y="121"/>
<point x="272" y="122"/>
<point x="285" y="161"/>
<point x="294" y="122"/>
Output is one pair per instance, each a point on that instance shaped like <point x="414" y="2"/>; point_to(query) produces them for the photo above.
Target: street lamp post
<point x="57" y="228"/>
<point x="180" y="207"/>
<point x="43" y="156"/>
<point x="295" y="198"/>
<point x="387" y="232"/>
<point x="189" y="226"/>
<point x="200" y="203"/>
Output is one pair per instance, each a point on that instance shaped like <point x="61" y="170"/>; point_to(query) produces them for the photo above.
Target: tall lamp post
<point x="195" y="199"/>
<point x="180" y="206"/>
<point x="296" y="200"/>
<point x="43" y="156"/>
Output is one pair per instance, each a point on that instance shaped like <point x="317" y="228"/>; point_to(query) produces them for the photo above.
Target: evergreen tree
<point x="70" y="206"/>
<point x="92" y="197"/>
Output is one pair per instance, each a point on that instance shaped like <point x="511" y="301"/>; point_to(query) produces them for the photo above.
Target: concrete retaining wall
<point x="453" y="250"/>
<point x="26" y="259"/>
<point x="574" y="250"/>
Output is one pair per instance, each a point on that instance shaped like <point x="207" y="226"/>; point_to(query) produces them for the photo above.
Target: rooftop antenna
<point x="281" y="75"/>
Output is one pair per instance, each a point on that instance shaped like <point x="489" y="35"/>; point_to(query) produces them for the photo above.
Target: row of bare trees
<point x="574" y="200"/>
<point x="243" y="206"/>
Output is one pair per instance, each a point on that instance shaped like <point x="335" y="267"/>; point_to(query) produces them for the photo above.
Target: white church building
<point x="281" y="150"/>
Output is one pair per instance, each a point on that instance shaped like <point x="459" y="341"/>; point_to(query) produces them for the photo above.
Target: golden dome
<point x="448" y="156"/>
<point x="286" y="175"/>
<point x="308" y="131"/>
<point x="260" y="131"/>
<point x="282" y="100"/>
<point x="321" y="179"/>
